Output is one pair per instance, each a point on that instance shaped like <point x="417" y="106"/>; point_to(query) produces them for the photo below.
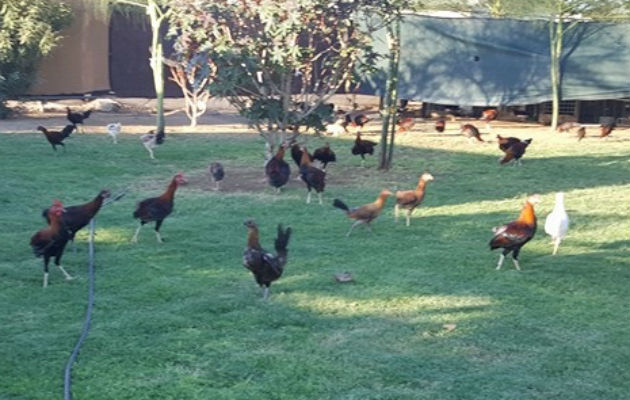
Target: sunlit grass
<point x="185" y="320"/>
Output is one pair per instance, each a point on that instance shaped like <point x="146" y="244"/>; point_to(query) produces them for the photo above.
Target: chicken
<point x="157" y="208"/>
<point x="56" y="138"/>
<point x="277" y="170"/>
<point x="605" y="130"/>
<point x="314" y="178"/>
<point x="440" y="125"/>
<point x="77" y="118"/>
<point x="336" y="128"/>
<point x="265" y="266"/>
<point x="557" y="222"/>
<point x="515" y="152"/>
<point x="217" y="173"/>
<point x="366" y="213"/>
<point x="567" y="126"/>
<point x="362" y="147"/>
<point x="581" y="133"/>
<point x="410" y="199"/>
<point x="77" y="217"/>
<point x="511" y="237"/>
<point x="296" y="155"/>
<point x="405" y="124"/>
<point x="506" y="142"/>
<point x="471" y="132"/>
<point x="355" y="122"/>
<point x="151" y="140"/>
<point x="113" y="130"/>
<point x="489" y="116"/>
<point x="324" y="155"/>
<point x="51" y="241"/>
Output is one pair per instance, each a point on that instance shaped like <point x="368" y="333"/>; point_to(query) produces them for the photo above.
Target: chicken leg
<point x="66" y="274"/>
<point x="45" y="284"/>
<point x="134" y="239"/>
<point x="500" y="263"/>
<point x="396" y="209"/>
<point x="319" y="195"/>
<point x="357" y="223"/>
<point x="556" y="244"/>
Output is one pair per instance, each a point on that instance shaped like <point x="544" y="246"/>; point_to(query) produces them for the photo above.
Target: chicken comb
<point x="57" y="203"/>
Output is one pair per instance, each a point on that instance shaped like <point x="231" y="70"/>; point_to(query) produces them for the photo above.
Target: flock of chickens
<point x="64" y="222"/>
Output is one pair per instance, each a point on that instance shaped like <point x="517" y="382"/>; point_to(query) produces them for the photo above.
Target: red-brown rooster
<point x="410" y="199"/>
<point x="277" y="170"/>
<point x="265" y="266"/>
<point x="440" y="125"/>
<point x="366" y="213"/>
<point x="506" y="142"/>
<point x="362" y="147"/>
<point x="405" y="124"/>
<point x="515" y="152"/>
<point x="606" y="130"/>
<point x="324" y="155"/>
<point x="511" y="237"/>
<point x="56" y="138"/>
<point x="157" y="208"/>
<point x="489" y="116"/>
<point x="567" y="126"/>
<point x="471" y="132"/>
<point x="296" y="155"/>
<point x="76" y="217"/>
<point x="51" y="241"/>
<point x="314" y="178"/>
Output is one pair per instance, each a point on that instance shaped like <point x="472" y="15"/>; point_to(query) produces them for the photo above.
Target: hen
<point x="265" y="266"/>
<point x="355" y="122"/>
<point x="51" y="241"/>
<point x="218" y="173"/>
<point x="56" y="138"/>
<point x="324" y="155"/>
<point x="362" y="147"/>
<point x="471" y="132"/>
<point x="77" y="118"/>
<point x="606" y="130"/>
<point x="440" y="125"/>
<point x="366" y="213"/>
<point x="314" y="178"/>
<point x="515" y="152"/>
<point x="157" y="208"/>
<point x="506" y="142"/>
<point x="567" y="126"/>
<point x="410" y="199"/>
<point x="557" y="222"/>
<point x="77" y="217"/>
<point x="581" y="133"/>
<point x="489" y="116"/>
<point x="405" y="124"/>
<point x="151" y="140"/>
<point x="113" y="130"/>
<point x="511" y="237"/>
<point x="277" y="170"/>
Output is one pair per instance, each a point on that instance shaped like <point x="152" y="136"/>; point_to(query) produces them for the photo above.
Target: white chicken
<point x="151" y="140"/>
<point x="113" y="130"/>
<point x="557" y="222"/>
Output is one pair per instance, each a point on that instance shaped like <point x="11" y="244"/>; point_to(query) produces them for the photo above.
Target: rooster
<point x="366" y="213"/>
<point x="557" y="222"/>
<point x="314" y="178"/>
<point x="506" y="142"/>
<point x="362" y="147"/>
<point x="77" y="118"/>
<point x="324" y="155"/>
<point x="151" y="140"/>
<point x="489" y="116"/>
<point x="405" y="124"/>
<point x="410" y="199"/>
<point x="440" y="125"/>
<point x="566" y="126"/>
<point x="515" y="152"/>
<point x="511" y="237"/>
<point x="265" y="266"/>
<point x="56" y="138"/>
<point x="51" y="241"/>
<point x="471" y="132"/>
<point x="296" y="155"/>
<point x="157" y="208"/>
<point x="113" y="130"/>
<point x="605" y="130"/>
<point x="217" y="173"/>
<point x="277" y="170"/>
<point x="77" y="217"/>
<point x="581" y="133"/>
<point x="355" y="122"/>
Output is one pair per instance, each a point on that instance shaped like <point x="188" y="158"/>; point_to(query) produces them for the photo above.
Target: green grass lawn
<point x="185" y="320"/>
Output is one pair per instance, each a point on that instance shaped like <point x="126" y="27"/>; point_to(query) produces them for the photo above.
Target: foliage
<point x="283" y="58"/>
<point x="184" y="319"/>
<point x="29" y="30"/>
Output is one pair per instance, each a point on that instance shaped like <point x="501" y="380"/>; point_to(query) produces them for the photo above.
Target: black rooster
<point x="56" y="138"/>
<point x="324" y="155"/>
<point x="362" y="147"/>
<point x="77" y="118"/>
<point x="218" y="173"/>
<point x="277" y="170"/>
<point x="265" y="266"/>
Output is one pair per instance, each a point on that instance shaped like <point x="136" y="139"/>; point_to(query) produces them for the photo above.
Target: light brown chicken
<point x="410" y="199"/>
<point x="366" y="213"/>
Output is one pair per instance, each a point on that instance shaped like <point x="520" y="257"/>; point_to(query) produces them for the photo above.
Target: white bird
<point x="336" y="128"/>
<point x="113" y="130"/>
<point x="557" y="222"/>
<point x="151" y="140"/>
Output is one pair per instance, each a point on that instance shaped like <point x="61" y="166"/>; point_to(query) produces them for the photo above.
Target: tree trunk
<point x="389" y="111"/>
<point x="556" y="31"/>
<point x="157" y="53"/>
<point x="394" y="94"/>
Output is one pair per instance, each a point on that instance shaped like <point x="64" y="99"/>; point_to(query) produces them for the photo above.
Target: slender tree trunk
<point x="390" y="89"/>
<point x="394" y="93"/>
<point x="157" y="53"/>
<point x="556" y="31"/>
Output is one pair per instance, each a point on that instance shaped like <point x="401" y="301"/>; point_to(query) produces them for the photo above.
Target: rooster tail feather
<point x="282" y="240"/>
<point x="341" y="205"/>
